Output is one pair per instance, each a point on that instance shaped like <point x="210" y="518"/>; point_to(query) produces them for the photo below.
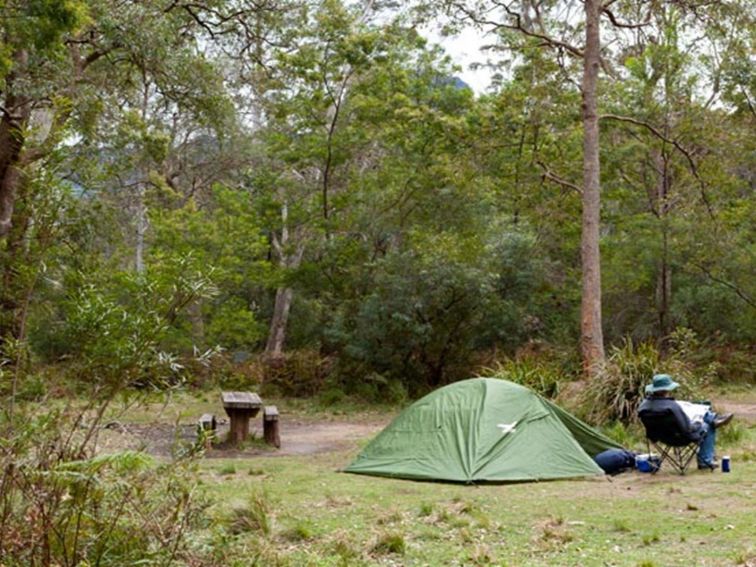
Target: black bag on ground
<point x="615" y="461"/>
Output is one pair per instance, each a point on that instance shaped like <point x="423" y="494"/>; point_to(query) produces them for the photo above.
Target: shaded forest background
<point x="305" y="194"/>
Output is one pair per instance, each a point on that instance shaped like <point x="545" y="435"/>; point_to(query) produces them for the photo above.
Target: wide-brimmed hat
<point x="661" y="383"/>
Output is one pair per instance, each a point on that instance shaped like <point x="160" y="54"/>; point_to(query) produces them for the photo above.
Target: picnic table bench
<point x="240" y="407"/>
<point x="270" y="426"/>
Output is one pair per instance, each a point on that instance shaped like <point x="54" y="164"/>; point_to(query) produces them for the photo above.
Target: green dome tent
<point x="483" y="430"/>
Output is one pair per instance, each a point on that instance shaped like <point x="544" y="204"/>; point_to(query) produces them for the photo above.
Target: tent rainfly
<point x="483" y="430"/>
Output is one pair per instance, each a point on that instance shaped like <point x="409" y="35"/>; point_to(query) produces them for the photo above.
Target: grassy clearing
<point x="299" y="510"/>
<point x="318" y="516"/>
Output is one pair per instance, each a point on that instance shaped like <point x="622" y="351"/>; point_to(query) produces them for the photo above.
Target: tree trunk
<point x="15" y="117"/>
<point x="664" y="289"/>
<point x="16" y="268"/>
<point x="592" y="339"/>
<point x="288" y="260"/>
<point x="664" y="274"/>
<point x="11" y="142"/>
<point x="194" y="312"/>
<point x="277" y="335"/>
<point x="141" y="228"/>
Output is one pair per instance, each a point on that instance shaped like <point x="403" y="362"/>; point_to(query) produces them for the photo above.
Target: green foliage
<point x="331" y="395"/>
<point x="537" y="374"/>
<point x="226" y="236"/>
<point x="106" y="508"/>
<point x="37" y="24"/>
<point x="732" y="435"/>
<point x="625" y="435"/>
<point x="112" y="328"/>
<point x="227" y="470"/>
<point x="429" y="308"/>
<point x="426" y="509"/>
<point x="418" y="226"/>
<point x="302" y="531"/>
<point x="32" y="387"/>
<point x="109" y="509"/>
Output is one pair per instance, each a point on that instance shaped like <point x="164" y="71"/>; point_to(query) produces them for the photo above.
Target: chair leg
<point x="680" y="461"/>
<point x="683" y="457"/>
<point x="664" y="454"/>
<point x="679" y="458"/>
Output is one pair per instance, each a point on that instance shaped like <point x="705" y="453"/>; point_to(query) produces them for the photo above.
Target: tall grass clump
<point x="617" y="390"/>
<point x="732" y="435"/>
<point x="254" y="517"/>
<point x="615" y="393"/>
<point x="390" y="543"/>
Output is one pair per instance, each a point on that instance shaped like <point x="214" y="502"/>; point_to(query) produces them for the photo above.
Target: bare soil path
<point x="742" y="411"/>
<point x="298" y="437"/>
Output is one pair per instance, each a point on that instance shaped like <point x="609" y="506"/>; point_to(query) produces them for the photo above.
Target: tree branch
<point x="739" y="292"/>
<point x="685" y="152"/>
<point x="551" y="176"/>
<point x="517" y="25"/>
<point x="618" y="24"/>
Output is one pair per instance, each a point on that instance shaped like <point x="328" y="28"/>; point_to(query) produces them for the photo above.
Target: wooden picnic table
<point x="240" y="407"/>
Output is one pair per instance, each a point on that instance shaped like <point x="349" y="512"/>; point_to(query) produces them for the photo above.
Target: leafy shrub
<point x="300" y="373"/>
<point x="115" y="324"/>
<point x="112" y="509"/>
<point x="375" y="387"/>
<point x="736" y="365"/>
<point x="538" y="375"/>
<point x="233" y="325"/>
<point x="32" y="387"/>
<point x="62" y="502"/>
<point x="223" y="372"/>
<point x="331" y="396"/>
<point x="433" y="304"/>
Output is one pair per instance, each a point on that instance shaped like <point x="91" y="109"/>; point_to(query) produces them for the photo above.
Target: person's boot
<point x="721" y="420"/>
<point x="710" y="466"/>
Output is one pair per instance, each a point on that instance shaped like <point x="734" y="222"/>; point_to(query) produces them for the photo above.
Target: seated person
<point x="690" y="416"/>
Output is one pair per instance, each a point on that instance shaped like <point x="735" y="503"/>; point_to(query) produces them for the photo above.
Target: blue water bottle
<point x="726" y="463"/>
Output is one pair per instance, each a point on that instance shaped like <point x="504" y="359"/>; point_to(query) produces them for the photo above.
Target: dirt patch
<point x="298" y="437"/>
<point x="742" y="411"/>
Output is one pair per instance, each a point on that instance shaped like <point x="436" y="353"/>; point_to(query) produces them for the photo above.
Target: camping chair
<point x="674" y="443"/>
